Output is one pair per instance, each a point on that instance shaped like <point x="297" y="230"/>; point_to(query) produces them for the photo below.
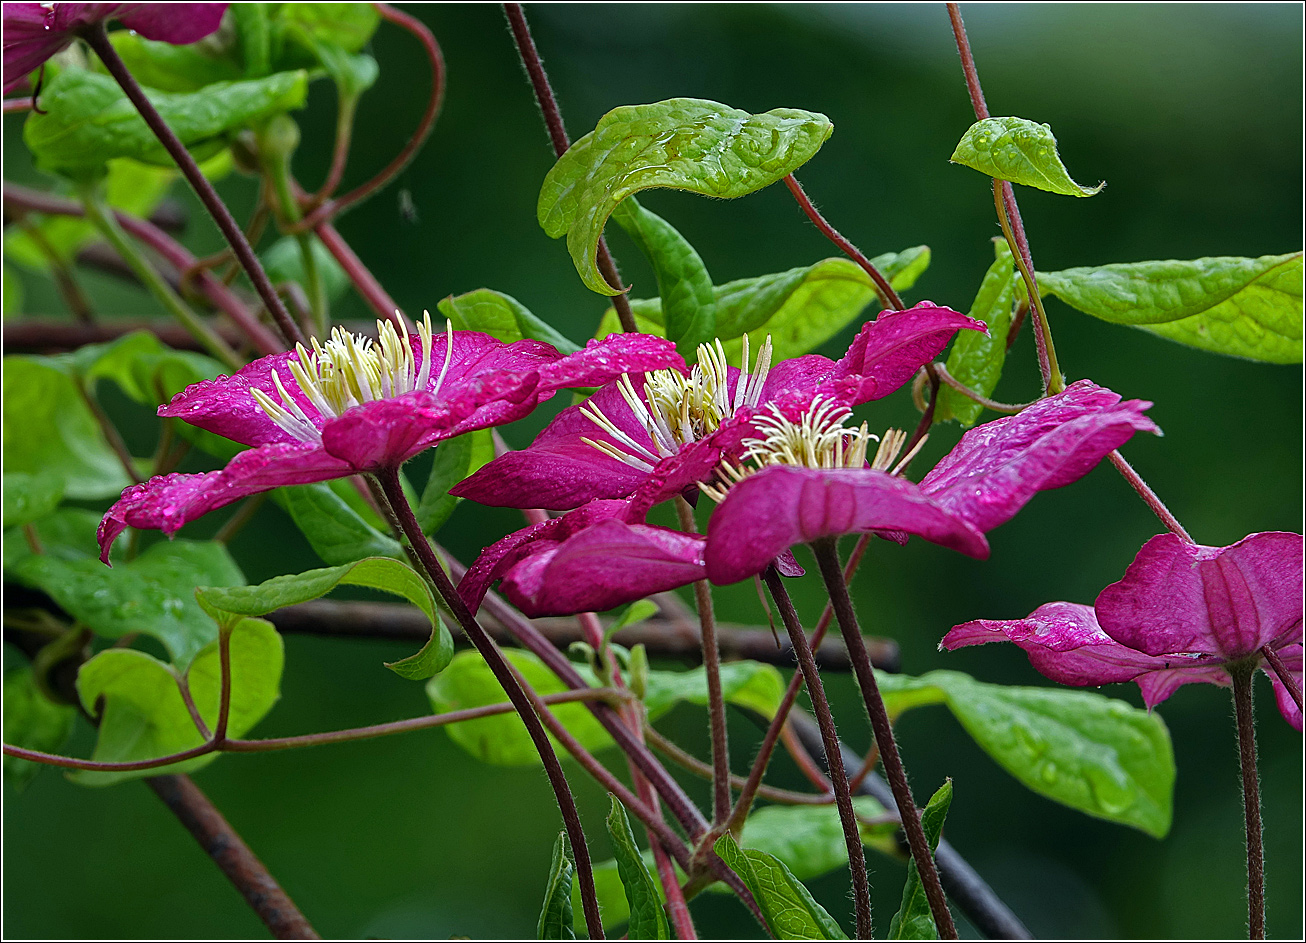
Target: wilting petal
<point x="1226" y="601"/>
<point x="1065" y="643"/>
<point x="1291" y="655"/>
<point x="602" y="566"/>
<point x="226" y="406"/>
<point x="780" y="506"/>
<point x="166" y="502"/>
<point x="997" y="467"/>
<point x="888" y="351"/>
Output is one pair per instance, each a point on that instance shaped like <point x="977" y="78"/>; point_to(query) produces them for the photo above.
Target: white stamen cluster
<point x="677" y="409"/>
<point x="350" y="369"/>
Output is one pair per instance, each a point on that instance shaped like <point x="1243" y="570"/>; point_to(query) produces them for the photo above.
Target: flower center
<point x="677" y="409"/>
<point x="350" y="369"/>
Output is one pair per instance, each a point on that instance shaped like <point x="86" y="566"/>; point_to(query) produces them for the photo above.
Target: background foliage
<point x="1192" y="116"/>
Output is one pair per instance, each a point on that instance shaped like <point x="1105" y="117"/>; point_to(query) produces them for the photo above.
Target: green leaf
<point x="168" y="68"/>
<point x="555" y="921"/>
<point x="1090" y="752"/>
<point x="90" y="120"/>
<point x="353" y="74"/>
<point x="153" y="594"/>
<point x="611" y="896"/>
<point x="750" y="685"/>
<point x="48" y="429"/>
<point x="788" y="907"/>
<point x="976" y="359"/>
<point x="648" y="921"/>
<point x="809" y="838"/>
<point x="337" y="532"/>
<point x="800" y="309"/>
<point x="346" y="25"/>
<point x="285" y="263"/>
<point x="66" y="534"/>
<point x="12" y="302"/>
<point x="1240" y="307"/>
<point x="455" y="459"/>
<point x="254" y="37"/>
<point x="684" y="286"/>
<point x="30" y="497"/>
<point x="501" y="316"/>
<point x="1020" y="151"/>
<point x="382" y="573"/>
<point x="636" y="612"/>
<point x="683" y="143"/>
<point x="914" y="919"/>
<point x="32" y="721"/>
<point x="144" y="715"/>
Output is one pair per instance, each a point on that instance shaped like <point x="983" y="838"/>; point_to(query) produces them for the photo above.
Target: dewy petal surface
<point x="780" y="506"/>
<point x="888" y="351"/>
<point x="997" y="467"/>
<point x="1226" y="601"/>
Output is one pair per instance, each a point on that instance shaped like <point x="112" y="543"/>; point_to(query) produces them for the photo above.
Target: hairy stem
<point x="838" y="776"/>
<point x="828" y="560"/>
<point x="1149" y="496"/>
<point x="98" y="40"/>
<point x="1280" y="669"/>
<point x="964" y="390"/>
<point x="1242" y="706"/>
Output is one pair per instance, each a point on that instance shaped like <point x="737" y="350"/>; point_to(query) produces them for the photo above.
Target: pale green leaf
<point x="171" y="68"/>
<point x="1018" y="150"/>
<point x="501" y="316"/>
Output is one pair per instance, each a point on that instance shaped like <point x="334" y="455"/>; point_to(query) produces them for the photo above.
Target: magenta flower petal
<point x="602" y="361"/>
<point x="997" y="467"/>
<point x="696" y="462"/>
<point x="780" y="506"/>
<point x="166" y="502"/>
<point x="1230" y="601"/>
<point x="226" y="407"/>
<point x="176" y="23"/>
<point x="888" y="351"/>
<point x="1291" y="656"/>
<point x="606" y="565"/>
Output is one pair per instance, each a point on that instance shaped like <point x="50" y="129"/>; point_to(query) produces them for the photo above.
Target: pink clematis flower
<point x="353" y="406"/>
<point x="813" y="482"/>
<point x="33" y="32"/>
<point x="1183" y="613"/>
<point x="639" y="427"/>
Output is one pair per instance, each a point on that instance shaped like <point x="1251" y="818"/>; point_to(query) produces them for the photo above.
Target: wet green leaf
<point x="555" y="921"/>
<point x="1018" y="150"/>
<point x="789" y="908"/>
<point x="48" y="429"/>
<point x="337" y="532"/>
<point x="89" y="119"/>
<point x="383" y="573"/>
<point x="914" y="919"/>
<point x="976" y="359"/>
<point x="144" y="715"/>
<point x="501" y="316"/>
<point x="648" y="920"/>
<point x="32" y="721"/>
<point x="30" y="497"/>
<point x="684" y="286"/>
<point x="683" y="143"/>
<point x="455" y="459"/>
<point x="1236" y="306"/>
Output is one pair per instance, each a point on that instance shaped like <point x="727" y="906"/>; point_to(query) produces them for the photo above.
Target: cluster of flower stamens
<point x="677" y="409"/>
<point x="350" y="369"/>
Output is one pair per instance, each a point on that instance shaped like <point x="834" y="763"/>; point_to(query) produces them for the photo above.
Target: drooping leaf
<point x="555" y="921"/>
<point x="684" y="286"/>
<point x="1236" y="306"/>
<point x="152" y="594"/>
<point x="788" y="907"/>
<point x="89" y="119"/>
<point x="383" y="573"/>
<point x="31" y="721"/>
<point x="648" y="919"/>
<point x="976" y="359"/>
<point x="455" y="459"/>
<point x="144" y="715"/>
<point x="800" y="309"/>
<point x="914" y="919"/>
<point x="1018" y="150"/>
<point x="30" y="497"/>
<point x="1090" y="752"/>
<point x="285" y="263"/>
<point x="501" y="316"/>
<point x="682" y="143"/>
<point x="49" y="429"/>
<point x="337" y="532"/>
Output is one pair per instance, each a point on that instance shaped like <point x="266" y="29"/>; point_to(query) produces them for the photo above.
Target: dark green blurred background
<point x="1191" y="113"/>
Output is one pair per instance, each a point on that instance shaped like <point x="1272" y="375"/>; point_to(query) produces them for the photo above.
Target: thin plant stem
<point x="346" y="109"/>
<point x="827" y="559"/>
<point x="1242" y="705"/>
<point x="277" y="168"/>
<point x="183" y="685"/>
<point x="838" y="776"/>
<point x="98" y="40"/>
<point x="964" y="390"/>
<point x="1149" y="496"/>
<point x="548" y="102"/>
<point x="235" y="859"/>
<point x="104" y="220"/>
<point x="111" y="434"/>
<point x="716" y="703"/>
<point x="1280" y="669"/>
<point x="244" y="514"/>
<point x="64" y="277"/>
<point x="523" y="698"/>
<point x="888" y="297"/>
<point x="224" y="690"/>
